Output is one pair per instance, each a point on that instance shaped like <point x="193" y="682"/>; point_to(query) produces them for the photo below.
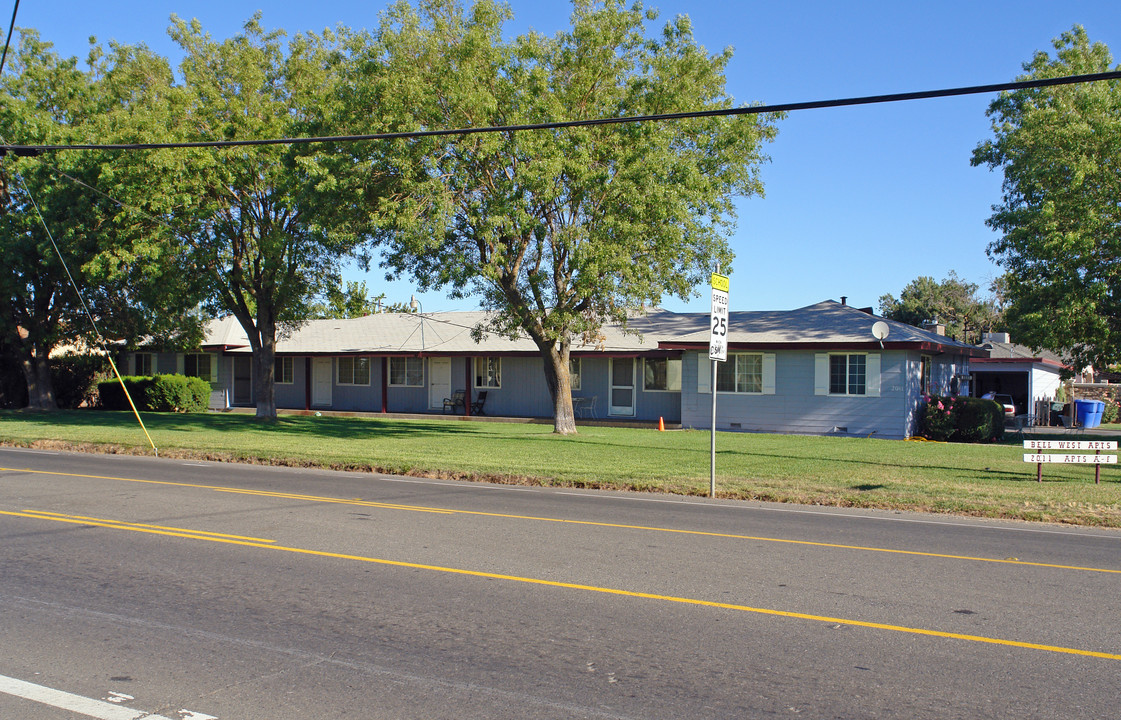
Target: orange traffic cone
<point x="661" y="425"/>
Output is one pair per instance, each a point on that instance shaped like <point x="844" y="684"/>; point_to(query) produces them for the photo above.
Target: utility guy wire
<point x="727" y="112"/>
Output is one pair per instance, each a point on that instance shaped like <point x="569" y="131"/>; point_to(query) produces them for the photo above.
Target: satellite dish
<point x="880" y="330"/>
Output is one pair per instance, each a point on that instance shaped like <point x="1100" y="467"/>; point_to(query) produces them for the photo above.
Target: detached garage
<point x="1016" y="370"/>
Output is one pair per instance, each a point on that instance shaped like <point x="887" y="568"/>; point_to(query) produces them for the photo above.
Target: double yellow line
<point x="590" y="523"/>
<point x="270" y="545"/>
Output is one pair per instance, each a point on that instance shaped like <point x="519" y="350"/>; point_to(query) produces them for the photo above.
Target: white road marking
<point x="71" y="702"/>
<point x="118" y="698"/>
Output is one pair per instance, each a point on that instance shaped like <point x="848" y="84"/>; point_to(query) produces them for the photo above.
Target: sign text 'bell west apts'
<point x="1072" y="451"/>
<point x="718" y="341"/>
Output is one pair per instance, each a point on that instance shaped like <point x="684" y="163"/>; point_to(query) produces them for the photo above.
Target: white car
<point x="1006" y="402"/>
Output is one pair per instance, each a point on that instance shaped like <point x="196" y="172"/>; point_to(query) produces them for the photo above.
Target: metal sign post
<point x="717" y="352"/>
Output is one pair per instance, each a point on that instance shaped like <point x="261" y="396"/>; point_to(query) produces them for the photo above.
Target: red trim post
<point x="467" y="384"/>
<point x="307" y="382"/>
<point x="384" y="385"/>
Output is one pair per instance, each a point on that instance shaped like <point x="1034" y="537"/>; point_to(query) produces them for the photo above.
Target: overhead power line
<point x="727" y="112"/>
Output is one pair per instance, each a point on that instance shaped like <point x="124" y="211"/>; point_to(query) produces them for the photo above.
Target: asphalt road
<point x="141" y="588"/>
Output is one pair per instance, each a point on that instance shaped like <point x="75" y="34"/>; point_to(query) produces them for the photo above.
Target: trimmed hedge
<point x="178" y="393"/>
<point x="961" y="419"/>
<point x="162" y="393"/>
<point x="112" y="397"/>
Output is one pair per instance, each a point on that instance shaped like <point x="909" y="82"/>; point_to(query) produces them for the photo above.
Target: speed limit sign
<point x="718" y="340"/>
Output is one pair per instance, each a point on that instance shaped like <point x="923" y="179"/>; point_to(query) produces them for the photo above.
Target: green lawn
<point x="987" y="480"/>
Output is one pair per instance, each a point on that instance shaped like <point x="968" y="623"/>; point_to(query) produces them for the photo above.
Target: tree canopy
<point x="260" y="224"/>
<point x="129" y="282"/>
<point x="1060" y="216"/>
<point x="952" y="302"/>
<point x="557" y="231"/>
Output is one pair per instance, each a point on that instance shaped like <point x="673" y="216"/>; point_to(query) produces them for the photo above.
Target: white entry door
<point x="439" y="381"/>
<point x="321" y="382"/>
<point x="622" y="387"/>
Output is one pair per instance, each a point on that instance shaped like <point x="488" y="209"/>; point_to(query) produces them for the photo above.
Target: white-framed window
<point x="661" y="374"/>
<point x="143" y="364"/>
<point x="353" y="371"/>
<point x="283" y="370"/>
<point x="488" y="372"/>
<point x="848" y="374"/>
<point x="575" y="370"/>
<point x="200" y="365"/>
<point x="406" y="372"/>
<point x="742" y="373"/>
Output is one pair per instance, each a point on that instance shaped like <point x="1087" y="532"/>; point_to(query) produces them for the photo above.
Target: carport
<point x="1030" y="378"/>
<point x="1015" y="382"/>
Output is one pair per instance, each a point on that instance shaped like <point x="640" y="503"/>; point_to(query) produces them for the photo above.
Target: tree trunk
<point x="36" y="367"/>
<point x="264" y="367"/>
<point x="559" y="380"/>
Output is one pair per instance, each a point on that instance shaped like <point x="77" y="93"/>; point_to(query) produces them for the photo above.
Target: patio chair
<point x="455" y="401"/>
<point x="1020" y="422"/>
<point x="584" y="406"/>
<point x="477" y="406"/>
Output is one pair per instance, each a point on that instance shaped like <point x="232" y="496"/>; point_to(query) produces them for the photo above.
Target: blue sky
<point x="859" y="201"/>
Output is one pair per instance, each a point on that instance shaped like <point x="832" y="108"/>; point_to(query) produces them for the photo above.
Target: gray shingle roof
<point x="822" y="324"/>
<point x="1012" y="351"/>
<point x="825" y="323"/>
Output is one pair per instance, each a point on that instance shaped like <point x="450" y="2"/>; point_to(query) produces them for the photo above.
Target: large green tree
<point x="1060" y="216"/>
<point x="128" y="281"/>
<point x="952" y="302"/>
<point x="262" y="224"/>
<point x="558" y="231"/>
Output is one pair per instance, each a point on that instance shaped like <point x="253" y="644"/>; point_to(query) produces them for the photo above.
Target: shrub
<point x="76" y="377"/>
<point x="979" y="420"/>
<point x="961" y="419"/>
<point x="162" y="393"/>
<point x="1109" y="415"/>
<point x="112" y="397"/>
<point x="178" y="393"/>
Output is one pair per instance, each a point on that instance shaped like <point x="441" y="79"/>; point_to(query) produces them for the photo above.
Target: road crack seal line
<point x="696" y="602"/>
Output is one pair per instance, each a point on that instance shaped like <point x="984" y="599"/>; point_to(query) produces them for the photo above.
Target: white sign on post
<point x="718" y="340"/>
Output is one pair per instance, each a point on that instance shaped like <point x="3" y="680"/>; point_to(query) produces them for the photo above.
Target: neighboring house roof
<point x="1000" y="352"/>
<point x="826" y="324"/>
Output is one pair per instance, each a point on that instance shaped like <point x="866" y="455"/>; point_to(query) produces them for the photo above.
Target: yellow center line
<point x="229" y="540"/>
<point x="139" y="527"/>
<point x="590" y="523"/>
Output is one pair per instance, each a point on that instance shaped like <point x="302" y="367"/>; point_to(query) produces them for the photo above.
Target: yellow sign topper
<point x="720" y="282"/>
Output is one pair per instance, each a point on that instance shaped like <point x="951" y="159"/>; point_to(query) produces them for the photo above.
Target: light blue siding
<point x="294" y="395"/>
<point x="944" y="368"/>
<point x="795" y="408"/>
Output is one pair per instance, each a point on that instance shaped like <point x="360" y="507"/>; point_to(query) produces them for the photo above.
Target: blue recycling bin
<point x="1089" y="412"/>
<point x="1099" y="411"/>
